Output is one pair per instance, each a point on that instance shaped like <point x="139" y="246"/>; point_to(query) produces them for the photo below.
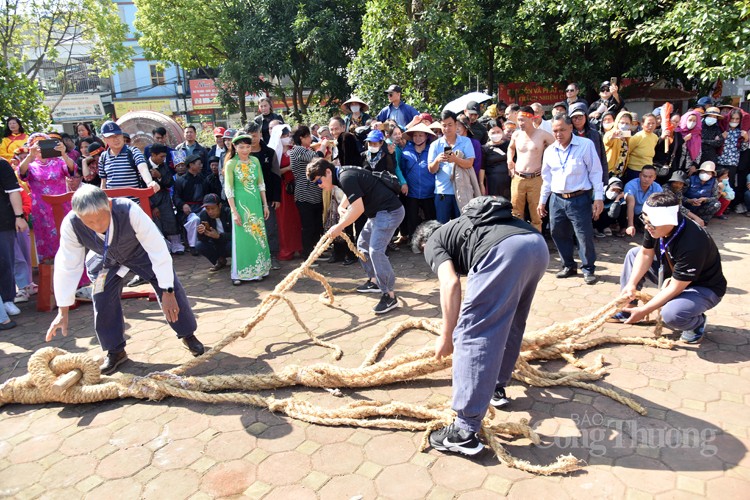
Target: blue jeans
<point x="684" y="312"/>
<point x="571" y="220"/>
<point x="372" y="242"/>
<point x="446" y="208"/>
<point x="22" y="268"/>
<point x="487" y="337"/>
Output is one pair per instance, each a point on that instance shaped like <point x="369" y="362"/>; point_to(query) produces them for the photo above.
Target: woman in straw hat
<point x="419" y="179"/>
<point x="355" y="110"/>
<point x="702" y="195"/>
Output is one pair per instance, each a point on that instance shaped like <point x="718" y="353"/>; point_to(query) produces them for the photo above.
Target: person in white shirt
<point x="113" y="237"/>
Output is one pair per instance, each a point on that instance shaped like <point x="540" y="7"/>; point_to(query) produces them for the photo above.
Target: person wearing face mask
<point x="287" y="214"/>
<point x="711" y="138"/>
<point x="641" y="148"/>
<point x="667" y="148"/>
<point x="702" y="195"/>
<point x="355" y="112"/>
<point x="690" y="129"/>
<point x="494" y="179"/>
<point x="615" y="202"/>
<point x="419" y="179"/>
<point x="616" y="144"/>
<point x="736" y="140"/>
<point x="378" y="158"/>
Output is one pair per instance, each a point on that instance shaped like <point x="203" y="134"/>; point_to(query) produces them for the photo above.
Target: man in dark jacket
<point x="189" y="191"/>
<point x="215" y="232"/>
<point x="192" y="147"/>
<point x="609" y="101"/>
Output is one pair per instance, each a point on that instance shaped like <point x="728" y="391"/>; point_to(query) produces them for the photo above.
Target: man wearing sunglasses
<point x="397" y="110"/>
<point x="571" y="96"/>
<point x="365" y="194"/>
<point x="676" y="248"/>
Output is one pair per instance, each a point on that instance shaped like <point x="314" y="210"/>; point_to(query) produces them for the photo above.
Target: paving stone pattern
<point x="693" y="442"/>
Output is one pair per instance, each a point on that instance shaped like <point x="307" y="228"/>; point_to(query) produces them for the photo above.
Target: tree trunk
<point x="491" y="69"/>
<point x="242" y="104"/>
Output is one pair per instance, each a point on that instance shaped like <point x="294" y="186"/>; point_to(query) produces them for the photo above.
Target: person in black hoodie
<point x="609" y="101"/>
<point x="712" y="139"/>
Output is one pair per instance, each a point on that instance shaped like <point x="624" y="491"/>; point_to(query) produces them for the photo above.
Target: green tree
<point x="21" y="97"/>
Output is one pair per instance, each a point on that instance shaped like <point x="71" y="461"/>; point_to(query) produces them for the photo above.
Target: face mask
<point x="633" y="128"/>
<point x="608" y="126"/>
<point x="496" y="137"/>
<point x="624" y="127"/>
<point x="710" y="121"/>
<point x="354" y="108"/>
<point x="705" y="176"/>
<point x="611" y="194"/>
<point x="286" y="141"/>
<point x="691" y="125"/>
<point x="734" y="124"/>
<point x="373" y="149"/>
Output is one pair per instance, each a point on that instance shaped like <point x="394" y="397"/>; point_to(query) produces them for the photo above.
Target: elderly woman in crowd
<point x="355" y="110"/>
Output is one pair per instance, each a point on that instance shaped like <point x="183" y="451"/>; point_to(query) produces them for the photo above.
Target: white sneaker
<point x="21" y="296"/>
<point x="607" y="231"/>
<point x="740" y="209"/>
<point x="599" y="234"/>
<point x="11" y="309"/>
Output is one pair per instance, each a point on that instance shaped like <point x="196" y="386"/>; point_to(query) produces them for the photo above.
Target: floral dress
<point x="251" y="256"/>
<point x="46" y="177"/>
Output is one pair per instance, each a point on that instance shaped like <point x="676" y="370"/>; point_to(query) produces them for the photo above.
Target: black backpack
<point x="387" y="178"/>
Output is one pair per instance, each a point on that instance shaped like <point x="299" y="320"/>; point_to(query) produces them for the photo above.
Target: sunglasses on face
<point x="390" y="94"/>
<point x="318" y="181"/>
<point x="570" y="90"/>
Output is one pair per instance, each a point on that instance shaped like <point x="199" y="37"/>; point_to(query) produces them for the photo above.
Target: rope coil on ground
<point x="49" y="365"/>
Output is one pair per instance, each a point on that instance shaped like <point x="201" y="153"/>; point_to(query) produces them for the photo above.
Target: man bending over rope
<point x="503" y="258"/>
<point x="687" y="255"/>
<point x="119" y="237"/>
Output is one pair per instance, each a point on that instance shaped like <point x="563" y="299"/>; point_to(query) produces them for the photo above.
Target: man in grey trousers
<point x="113" y="237"/>
<point x="503" y="258"/>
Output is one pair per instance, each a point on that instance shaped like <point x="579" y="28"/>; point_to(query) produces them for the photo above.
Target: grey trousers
<point x="684" y="312"/>
<point x="272" y="232"/>
<point x="109" y="322"/>
<point x="492" y="321"/>
<point x="373" y="241"/>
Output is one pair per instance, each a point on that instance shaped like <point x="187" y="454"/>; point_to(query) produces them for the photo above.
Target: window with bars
<point x="157" y="75"/>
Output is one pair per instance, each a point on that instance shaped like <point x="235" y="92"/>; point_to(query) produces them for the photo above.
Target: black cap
<point x="472" y="107"/>
<point x="211" y="199"/>
<point x="604" y="85"/>
<point x="190" y="159"/>
<point x="393" y="88"/>
<point x="560" y="104"/>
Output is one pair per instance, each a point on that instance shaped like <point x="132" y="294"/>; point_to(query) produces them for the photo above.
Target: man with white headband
<point x="677" y="248"/>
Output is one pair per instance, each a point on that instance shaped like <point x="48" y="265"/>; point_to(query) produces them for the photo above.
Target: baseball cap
<point x="472" y="107"/>
<point x="211" y="200"/>
<point x="393" y="88"/>
<point x="560" y="104"/>
<point x="375" y="136"/>
<point x="110" y="128"/>
<point x="219" y="131"/>
<point x="229" y="133"/>
<point x="577" y="109"/>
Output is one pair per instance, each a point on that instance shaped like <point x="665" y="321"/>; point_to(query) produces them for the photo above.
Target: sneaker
<point x="236" y="282"/>
<point x="741" y="209"/>
<point x="275" y="264"/>
<point x="599" y="234"/>
<point x="112" y="361"/>
<point x="369" y="287"/>
<point x="8" y="325"/>
<point x="136" y="281"/>
<point x="619" y="317"/>
<point x="387" y="303"/>
<point x="590" y="278"/>
<point x="393" y="247"/>
<point x="221" y="263"/>
<point x="499" y="399"/>
<point x="11" y="309"/>
<point x="694" y="336"/>
<point x="85" y="294"/>
<point x="451" y="438"/>
<point x="607" y="231"/>
<point x="566" y="272"/>
<point x="21" y="296"/>
<point x="32" y="289"/>
<point x="348" y="261"/>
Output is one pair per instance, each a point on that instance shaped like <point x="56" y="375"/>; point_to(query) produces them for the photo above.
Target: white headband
<point x="661" y="216"/>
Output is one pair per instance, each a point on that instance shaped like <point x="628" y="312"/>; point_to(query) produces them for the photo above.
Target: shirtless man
<point x="525" y="152"/>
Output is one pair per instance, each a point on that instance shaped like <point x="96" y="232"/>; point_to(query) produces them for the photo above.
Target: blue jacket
<point x="414" y="167"/>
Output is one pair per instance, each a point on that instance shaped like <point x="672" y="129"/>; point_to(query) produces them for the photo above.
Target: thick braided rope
<point x="551" y="343"/>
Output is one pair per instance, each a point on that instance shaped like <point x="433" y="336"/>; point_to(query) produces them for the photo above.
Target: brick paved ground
<point x="693" y="443"/>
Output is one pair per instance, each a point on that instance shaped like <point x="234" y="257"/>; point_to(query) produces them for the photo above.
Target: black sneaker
<point x="451" y="438"/>
<point x="499" y="399"/>
<point x="566" y="272"/>
<point x="369" y="287"/>
<point x="136" y="281"/>
<point x="386" y="304"/>
<point x="590" y="278"/>
<point x="112" y="361"/>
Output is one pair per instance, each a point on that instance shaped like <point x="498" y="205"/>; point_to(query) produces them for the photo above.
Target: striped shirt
<point x="118" y="171"/>
<point x="304" y="190"/>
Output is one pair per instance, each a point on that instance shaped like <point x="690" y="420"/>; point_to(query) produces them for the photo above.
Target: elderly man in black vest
<point x="113" y="237"/>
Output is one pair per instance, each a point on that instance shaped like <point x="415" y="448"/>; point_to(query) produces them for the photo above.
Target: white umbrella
<point x="458" y="105"/>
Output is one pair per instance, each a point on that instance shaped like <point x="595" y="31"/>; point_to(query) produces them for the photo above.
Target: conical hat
<point x="419" y="127"/>
<point x="354" y="100"/>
